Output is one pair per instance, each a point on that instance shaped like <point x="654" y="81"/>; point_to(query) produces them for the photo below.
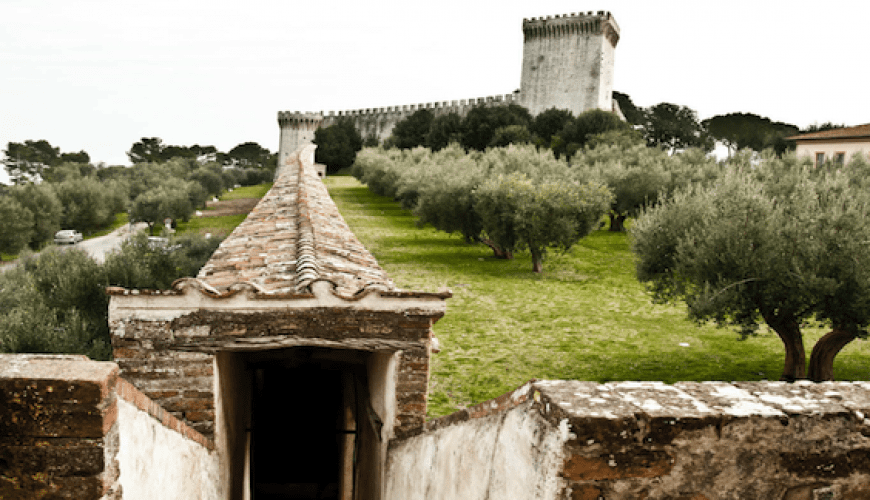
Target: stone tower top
<point x="591" y="23"/>
<point x="568" y="62"/>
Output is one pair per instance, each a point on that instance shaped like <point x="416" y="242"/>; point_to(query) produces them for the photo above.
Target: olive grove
<point x="779" y="243"/>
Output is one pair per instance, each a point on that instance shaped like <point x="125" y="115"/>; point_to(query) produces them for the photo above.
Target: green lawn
<point x="585" y="318"/>
<point x="224" y="225"/>
<point x="257" y="191"/>
<point x="121" y="218"/>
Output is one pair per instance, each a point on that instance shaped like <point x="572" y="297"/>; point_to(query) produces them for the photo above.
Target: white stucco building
<point x="837" y="145"/>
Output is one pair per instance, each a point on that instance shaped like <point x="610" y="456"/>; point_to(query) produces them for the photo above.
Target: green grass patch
<point x="585" y="318"/>
<point x="121" y="218"/>
<point x="218" y="226"/>
<point x="257" y="191"/>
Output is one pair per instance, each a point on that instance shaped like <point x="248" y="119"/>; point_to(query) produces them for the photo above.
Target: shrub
<point x="16" y="225"/>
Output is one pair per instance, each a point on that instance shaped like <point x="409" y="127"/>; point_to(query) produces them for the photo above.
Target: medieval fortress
<point x="293" y="367"/>
<point x="567" y="64"/>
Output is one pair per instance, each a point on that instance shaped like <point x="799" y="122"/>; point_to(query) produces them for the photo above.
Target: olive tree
<point x="160" y="203"/>
<point x="638" y="175"/>
<point x="780" y="244"/>
<point x="87" y="204"/>
<point x="44" y="204"/>
<point x="16" y="225"/>
<point x="518" y="212"/>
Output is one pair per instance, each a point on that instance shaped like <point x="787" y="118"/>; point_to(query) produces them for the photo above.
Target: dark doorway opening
<point x="303" y="440"/>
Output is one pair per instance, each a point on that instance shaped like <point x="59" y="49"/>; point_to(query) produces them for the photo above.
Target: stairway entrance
<point x="305" y="429"/>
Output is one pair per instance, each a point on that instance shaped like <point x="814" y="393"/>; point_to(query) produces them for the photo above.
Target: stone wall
<point x="70" y="428"/>
<point x="645" y="440"/>
<point x="170" y="358"/>
<point x="297" y="128"/>
<point x="567" y="63"/>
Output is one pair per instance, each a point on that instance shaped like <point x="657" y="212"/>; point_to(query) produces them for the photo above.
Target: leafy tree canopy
<point x="549" y="123"/>
<point x="42" y="201"/>
<point x="153" y="150"/>
<point x="672" y="127"/>
<point x="746" y="130"/>
<point x="633" y="114"/>
<point x="337" y="145"/>
<point x="250" y="155"/>
<point x="481" y="122"/>
<point x="30" y="160"/>
<point x="413" y="130"/>
<point x="16" y="228"/>
<point x="579" y="131"/>
<point x="821" y="127"/>
<point x="779" y="243"/>
<point x="444" y="130"/>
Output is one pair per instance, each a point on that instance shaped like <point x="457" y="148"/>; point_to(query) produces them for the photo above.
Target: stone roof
<point x="857" y="132"/>
<point x="294" y="237"/>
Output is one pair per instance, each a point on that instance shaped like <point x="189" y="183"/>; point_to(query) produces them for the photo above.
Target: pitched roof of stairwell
<point x="294" y="238"/>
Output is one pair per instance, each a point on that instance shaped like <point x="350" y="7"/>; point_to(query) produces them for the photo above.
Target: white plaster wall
<point x="850" y="148"/>
<point x="514" y="455"/>
<point x="156" y="462"/>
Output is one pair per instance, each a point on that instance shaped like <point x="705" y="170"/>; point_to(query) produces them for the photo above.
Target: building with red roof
<point x="837" y="145"/>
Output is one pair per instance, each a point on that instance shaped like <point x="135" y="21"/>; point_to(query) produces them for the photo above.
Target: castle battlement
<point x="567" y="64"/>
<point x="455" y="105"/>
<point x="590" y="23"/>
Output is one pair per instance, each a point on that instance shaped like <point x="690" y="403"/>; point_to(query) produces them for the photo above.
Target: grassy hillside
<point x="585" y="318"/>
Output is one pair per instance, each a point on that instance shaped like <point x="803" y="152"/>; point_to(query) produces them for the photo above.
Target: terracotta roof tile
<point x="292" y="238"/>
<point x="860" y="131"/>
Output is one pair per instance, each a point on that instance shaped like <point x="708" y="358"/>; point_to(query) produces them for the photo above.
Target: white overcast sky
<point x="99" y="75"/>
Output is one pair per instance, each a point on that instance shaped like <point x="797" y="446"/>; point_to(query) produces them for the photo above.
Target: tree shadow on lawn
<point x="476" y="259"/>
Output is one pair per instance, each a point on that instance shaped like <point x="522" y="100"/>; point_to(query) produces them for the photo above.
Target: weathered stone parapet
<point x="62" y="430"/>
<point x="650" y="440"/>
<point x="57" y="435"/>
<point x="588" y="23"/>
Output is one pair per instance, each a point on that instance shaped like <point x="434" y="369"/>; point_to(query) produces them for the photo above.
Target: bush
<point x="56" y="302"/>
<point x="87" y="204"/>
<point x="16" y="225"/>
<point x="140" y="264"/>
<point x="42" y="201"/>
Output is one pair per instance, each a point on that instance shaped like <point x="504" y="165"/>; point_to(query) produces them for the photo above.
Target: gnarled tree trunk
<point x="537" y="260"/>
<point x="617" y="221"/>
<point x="789" y="332"/>
<point x="497" y="252"/>
<point x="824" y="352"/>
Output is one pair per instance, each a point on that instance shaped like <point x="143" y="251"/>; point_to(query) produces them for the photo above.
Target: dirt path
<point x="229" y="207"/>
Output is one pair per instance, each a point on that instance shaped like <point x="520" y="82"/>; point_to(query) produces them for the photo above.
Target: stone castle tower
<point x="567" y="64"/>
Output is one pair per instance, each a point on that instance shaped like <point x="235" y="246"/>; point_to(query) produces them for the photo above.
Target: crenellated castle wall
<point x="297" y="128"/>
<point x="567" y="64"/>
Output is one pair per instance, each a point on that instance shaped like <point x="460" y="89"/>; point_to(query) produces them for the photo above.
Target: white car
<point x="65" y="236"/>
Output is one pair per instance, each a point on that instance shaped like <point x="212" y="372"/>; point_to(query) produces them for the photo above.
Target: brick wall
<point x="169" y="360"/>
<point x="57" y="434"/>
<point x="59" y="428"/>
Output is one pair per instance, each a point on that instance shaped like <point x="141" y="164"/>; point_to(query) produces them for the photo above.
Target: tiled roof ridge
<point x="307" y="265"/>
<point x="341" y="259"/>
<point x="292" y="240"/>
